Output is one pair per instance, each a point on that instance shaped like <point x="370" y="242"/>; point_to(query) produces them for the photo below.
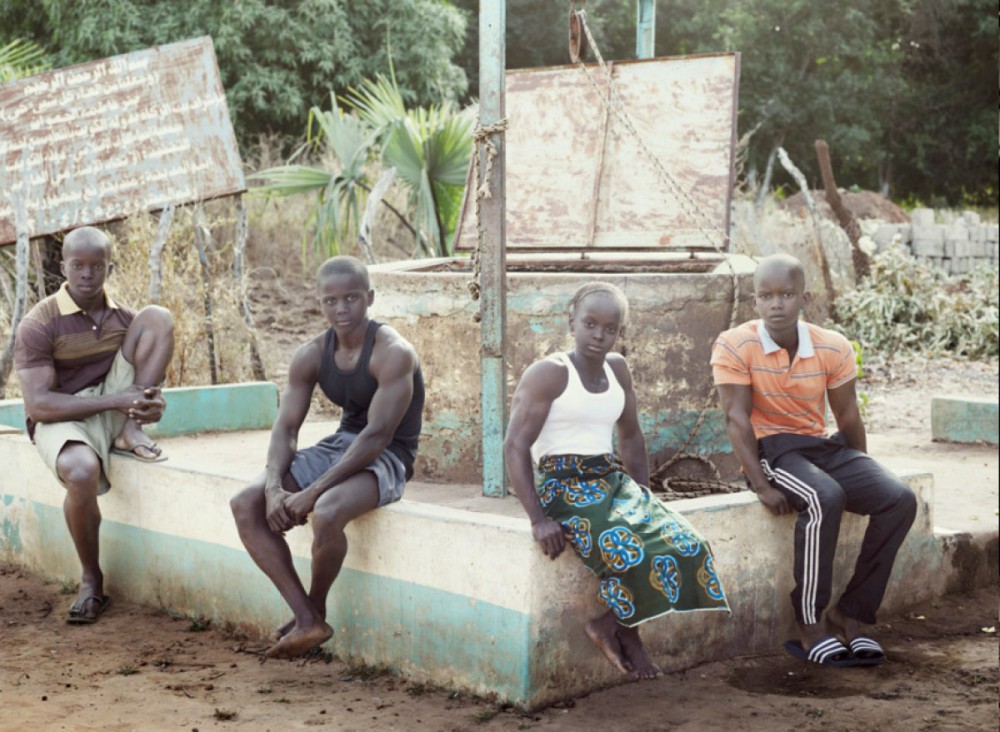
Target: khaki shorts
<point x="97" y="431"/>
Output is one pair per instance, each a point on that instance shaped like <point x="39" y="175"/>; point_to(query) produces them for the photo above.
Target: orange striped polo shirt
<point x="787" y="398"/>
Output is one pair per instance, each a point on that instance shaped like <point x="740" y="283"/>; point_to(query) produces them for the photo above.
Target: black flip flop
<point x="78" y="612"/>
<point x="867" y="652"/>
<point x="828" y="651"/>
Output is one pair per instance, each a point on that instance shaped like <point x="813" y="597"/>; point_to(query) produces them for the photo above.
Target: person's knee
<point x="79" y="468"/>
<point x="155" y="316"/>
<point x="832" y="499"/>
<point x="246" y="505"/>
<point x="330" y="517"/>
<point x="906" y="502"/>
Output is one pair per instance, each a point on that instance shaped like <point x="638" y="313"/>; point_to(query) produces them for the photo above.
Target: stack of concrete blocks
<point x="957" y="247"/>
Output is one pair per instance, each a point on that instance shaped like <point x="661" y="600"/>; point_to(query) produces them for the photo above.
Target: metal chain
<point x="693" y="210"/>
<point x="482" y="143"/>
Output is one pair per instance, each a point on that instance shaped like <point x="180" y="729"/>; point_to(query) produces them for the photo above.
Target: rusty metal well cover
<point x="94" y="142"/>
<point x="577" y="179"/>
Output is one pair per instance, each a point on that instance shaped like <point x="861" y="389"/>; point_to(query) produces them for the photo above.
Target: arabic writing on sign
<point x="98" y="141"/>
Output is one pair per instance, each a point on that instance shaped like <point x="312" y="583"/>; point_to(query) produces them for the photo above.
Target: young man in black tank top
<point x="374" y="374"/>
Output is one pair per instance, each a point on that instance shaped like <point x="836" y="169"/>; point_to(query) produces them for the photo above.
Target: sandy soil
<point x="140" y="668"/>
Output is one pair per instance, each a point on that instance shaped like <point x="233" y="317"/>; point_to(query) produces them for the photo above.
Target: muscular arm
<point x="303" y="373"/>
<point x="43" y="404"/>
<point x="393" y="365"/>
<point x="844" y="405"/>
<point x="540" y="385"/>
<point x="631" y="441"/>
<point x="737" y="403"/>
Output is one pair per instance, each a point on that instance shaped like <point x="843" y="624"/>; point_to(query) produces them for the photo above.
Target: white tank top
<point x="580" y="422"/>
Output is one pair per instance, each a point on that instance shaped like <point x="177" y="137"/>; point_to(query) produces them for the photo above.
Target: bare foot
<point x="138" y="443"/>
<point x="603" y="632"/>
<point x="812" y="634"/>
<point x="283" y="630"/>
<point x="849" y="627"/>
<point x="643" y="666"/>
<point x="299" y="640"/>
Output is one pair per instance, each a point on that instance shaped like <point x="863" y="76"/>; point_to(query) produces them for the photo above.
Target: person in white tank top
<point x="565" y="411"/>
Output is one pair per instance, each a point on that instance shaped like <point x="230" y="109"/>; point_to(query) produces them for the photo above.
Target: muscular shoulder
<point x="306" y="360"/>
<point x="545" y="379"/>
<point x="392" y="354"/>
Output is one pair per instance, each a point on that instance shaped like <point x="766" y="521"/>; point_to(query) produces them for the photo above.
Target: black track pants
<point x="822" y="478"/>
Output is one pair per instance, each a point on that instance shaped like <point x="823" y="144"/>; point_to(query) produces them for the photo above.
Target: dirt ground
<point x="142" y="669"/>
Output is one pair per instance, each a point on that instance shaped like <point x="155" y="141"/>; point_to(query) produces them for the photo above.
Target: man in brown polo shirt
<point x="90" y="371"/>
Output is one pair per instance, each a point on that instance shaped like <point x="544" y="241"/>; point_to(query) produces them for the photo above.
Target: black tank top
<point x="353" y="391"/>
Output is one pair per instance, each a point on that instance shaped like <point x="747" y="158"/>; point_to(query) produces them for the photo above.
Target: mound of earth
<point x="863" y="204"/>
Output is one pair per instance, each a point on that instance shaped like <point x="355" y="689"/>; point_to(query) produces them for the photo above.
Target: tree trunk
<point x="862" y="264"/>
<point x="793" y="171"/>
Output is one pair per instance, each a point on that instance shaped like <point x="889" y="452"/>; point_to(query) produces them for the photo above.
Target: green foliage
<point x="276" y="58"/>
<point x="429" y="147"/>
<point x="909" y="307"/>
<point x="21" y="58"/>
<point x="900" y="89"/>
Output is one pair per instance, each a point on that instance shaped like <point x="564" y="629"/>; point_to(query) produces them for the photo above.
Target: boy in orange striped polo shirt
<point x="775" y="376"/>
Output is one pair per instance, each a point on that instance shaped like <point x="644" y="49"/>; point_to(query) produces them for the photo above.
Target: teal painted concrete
<point x="10" y="532"/>
<point x="248" y="406"/>
<point x="225" y="407"/>
<point x="12" y="413"/>
<point x="377" y="620"/>
<point x="959" y="419"/>
<point x="669" y="429"/>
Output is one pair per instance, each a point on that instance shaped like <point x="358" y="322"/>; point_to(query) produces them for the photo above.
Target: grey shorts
<point x="98" y="431"/>
<point x="312" y="462"/>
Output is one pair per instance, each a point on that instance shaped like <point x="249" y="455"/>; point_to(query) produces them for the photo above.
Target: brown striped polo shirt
<point x="57" y="333"/>
<point x="787" y="398"/>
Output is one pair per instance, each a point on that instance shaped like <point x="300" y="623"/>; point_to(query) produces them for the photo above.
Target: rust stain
<point x="95" y="142"/>
<point x="576" y="179"/>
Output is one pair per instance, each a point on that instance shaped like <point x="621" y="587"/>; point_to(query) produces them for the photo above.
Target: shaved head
<point x="86" y="236"/>
<point x="344" y="265"/>
<point x="779" y="265"/>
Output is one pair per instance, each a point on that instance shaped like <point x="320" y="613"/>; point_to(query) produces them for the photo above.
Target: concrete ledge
<point x="454" y="596"/>
<point x="964" y="419"/>
<point x="224" y="407"/>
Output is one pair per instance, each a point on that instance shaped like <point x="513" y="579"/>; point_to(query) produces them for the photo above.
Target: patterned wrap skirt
<point x="649" y="560"/>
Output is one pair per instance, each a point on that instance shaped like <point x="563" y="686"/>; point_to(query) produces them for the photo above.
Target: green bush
<point x="908" y="306"/>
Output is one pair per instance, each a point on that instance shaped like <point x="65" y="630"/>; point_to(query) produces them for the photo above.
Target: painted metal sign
<point x="95" y="142"/>
<point x="577" y="178"/>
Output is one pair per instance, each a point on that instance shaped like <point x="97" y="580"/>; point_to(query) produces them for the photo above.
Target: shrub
<point x="908" y="306"/>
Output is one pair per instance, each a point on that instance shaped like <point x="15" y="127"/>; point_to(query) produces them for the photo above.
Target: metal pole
<point x="645" y="28"/>
<point x="492" y="253"/>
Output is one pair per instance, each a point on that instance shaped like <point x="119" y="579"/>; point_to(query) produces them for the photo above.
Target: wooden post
<point x="201" y="236"/>
<point x="239" y="272"/>
<point x="20" y="289"/>
<point x="492" y="243"/>
<point x="156" y="253"/>
<point x="645" y="28"/>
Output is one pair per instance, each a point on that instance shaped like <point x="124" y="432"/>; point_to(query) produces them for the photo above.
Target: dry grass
<point x="183" y="290"/>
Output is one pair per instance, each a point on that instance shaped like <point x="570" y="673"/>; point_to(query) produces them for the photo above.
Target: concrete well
<point x="679" y="303"/>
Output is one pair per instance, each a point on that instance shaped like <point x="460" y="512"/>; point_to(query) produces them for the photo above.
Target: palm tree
<point x="21" y="58"/>
<point x="429" y="148"/>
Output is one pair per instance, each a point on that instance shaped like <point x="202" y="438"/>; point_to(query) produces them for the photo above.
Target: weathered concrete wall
<point x="223" y="407"/>
<point x="956" y="246"/>
<point x="446" y="595"/>
<point x="965" y="419"/>
<point x="673" y="320"/>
